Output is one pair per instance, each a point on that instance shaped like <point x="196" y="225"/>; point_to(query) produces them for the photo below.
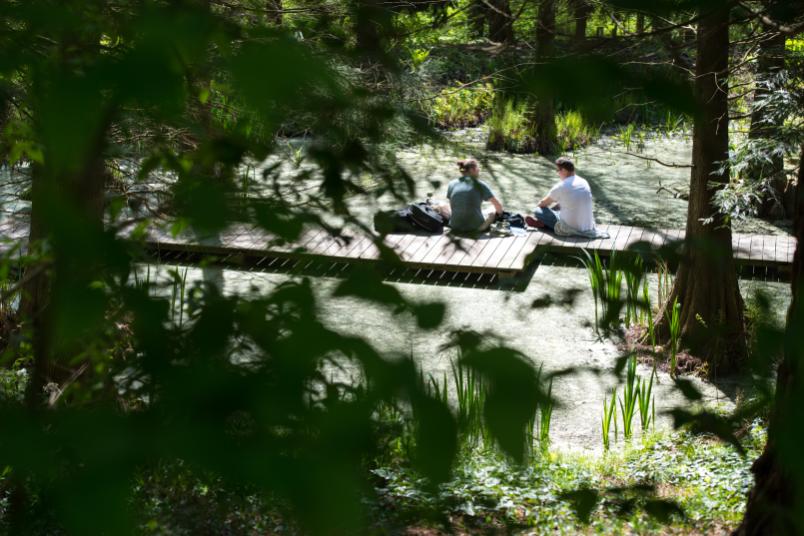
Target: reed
<point x="674" y="322"/>
<point x="178" y="296"/>
<point x="628" y="402"/>
<point x="634" y="276"/>
<point x="665" y="283"/>
<point x="545" y="416"/>
<point x="648" y="312"/>
<point x="609" y="417"/>
<point x="647" y="403"/>
<point x="470" y="396"/>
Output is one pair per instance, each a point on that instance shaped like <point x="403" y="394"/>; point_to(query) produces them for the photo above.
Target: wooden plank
<point x="500" y="252"/>
<point x="482" y="260"/>
<point x="637" y="237"/>
<point x="791" y="249"/>
<point x="622" y="239"/>
<point x="371" y="252"/>
<point x="463" y="249"/>
<point x="771" y="250"/>
<point x="755" y="248"/>
<point x="431" y="244"/>
<point x="401" y="246"/>
<point x="533" y="243"/>
<point x="338" y="245"/>
<point x="440" y="252"/>
<point x="735" y="245"/>
<point x="609" y="243"/>
<point x="310" y="245"/>
<point x="513" y="252"/>
<point x="456" y="249"/>
<point x="414" y="247"/>
<point x="594" y="243"/>
<point x="359" y="246"/>
<point x="322" y="245"/>
<point x="478" y="248"/>
<point x="744" y="246"/>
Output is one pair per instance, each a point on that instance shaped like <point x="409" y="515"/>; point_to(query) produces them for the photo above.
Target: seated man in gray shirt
<point x="466" y="196"/>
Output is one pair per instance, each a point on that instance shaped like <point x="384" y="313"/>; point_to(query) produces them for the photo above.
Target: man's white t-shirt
<point x="575" y="198"/>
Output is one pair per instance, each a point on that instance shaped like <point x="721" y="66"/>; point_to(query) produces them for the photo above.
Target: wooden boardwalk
<point x="486" y="254"/>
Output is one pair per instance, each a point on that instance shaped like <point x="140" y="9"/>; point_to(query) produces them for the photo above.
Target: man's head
<point x="565" y="167"/>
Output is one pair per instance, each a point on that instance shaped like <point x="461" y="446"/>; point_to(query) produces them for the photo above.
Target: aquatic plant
<point x="609" y="417"/>
<point x="470" y="397"/>
<point x="674" y="323"/>
<point x="461" y="106"/>
<point x="178" y="296"/>
<point x="509" y="127"/>
<point x="628" y="402"/>
<point x="573" y="132"/>
<point x="648" y="313"/>
<point x="545" y="416"/>
<point x="647" y="402"/>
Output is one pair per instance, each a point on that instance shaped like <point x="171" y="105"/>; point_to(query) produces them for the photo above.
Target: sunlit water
<point x="627" y="190"/>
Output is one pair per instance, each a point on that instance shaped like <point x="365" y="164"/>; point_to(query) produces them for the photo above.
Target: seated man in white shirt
<point x="571" y="202"/>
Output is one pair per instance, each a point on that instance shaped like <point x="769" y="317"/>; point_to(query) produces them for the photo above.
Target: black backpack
<point x="427" y="217"/>
<point x="395" y="222"/>
<point x="514" y="220"/>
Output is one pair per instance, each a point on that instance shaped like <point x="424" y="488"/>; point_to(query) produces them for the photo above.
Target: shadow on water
<point x="334" y="268"/>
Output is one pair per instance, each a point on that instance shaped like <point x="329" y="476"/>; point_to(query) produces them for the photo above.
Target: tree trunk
<point x="712" y="324"/>
<point x="501" y="22"/>
<point x="640" y="23"/>
<point x="371" y="22"/>
<point x="274" y="12"/>
<point x="771" y="60"/>
<point x="776" y="503"/>
<point x="581" y="9"/>
<point x="545" y="117"/>
<point x="35" y="304"/>
<point x="477" y="17"/>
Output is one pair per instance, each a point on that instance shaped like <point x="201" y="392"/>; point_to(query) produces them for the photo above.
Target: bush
<point x="460" y="107"/>
<point x="573" y="131"/>
<point x="510" y="128"/>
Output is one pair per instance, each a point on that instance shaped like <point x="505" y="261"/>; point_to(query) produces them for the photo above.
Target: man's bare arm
<point x="546" y="202"/>
<point x="497" y="205"/>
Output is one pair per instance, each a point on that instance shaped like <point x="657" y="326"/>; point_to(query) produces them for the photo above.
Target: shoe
<point x="533" y="222"/>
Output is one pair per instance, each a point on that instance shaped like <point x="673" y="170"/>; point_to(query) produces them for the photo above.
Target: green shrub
<point x="573" y="131"/>
<point x="509" y="128"/>
<point x="459" y="107"/>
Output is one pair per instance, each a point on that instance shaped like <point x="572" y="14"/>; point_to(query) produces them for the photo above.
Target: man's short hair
<point x="565" y="163"/>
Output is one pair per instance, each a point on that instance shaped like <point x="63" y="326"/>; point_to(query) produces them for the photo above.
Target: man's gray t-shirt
<point x="466" y="195"/>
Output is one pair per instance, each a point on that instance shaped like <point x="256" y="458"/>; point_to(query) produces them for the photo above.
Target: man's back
<point x="575" y="198"/>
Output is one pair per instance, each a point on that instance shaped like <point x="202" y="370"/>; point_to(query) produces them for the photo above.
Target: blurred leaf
<point x="429" y="315"/>
<point x="512" y="398"/>
<point x="663" y="510"/>
<point x="688" y="389"/>
<point x="705" y="422"/>
<point x="436" y="439"/>
<point x="583" y="501"/>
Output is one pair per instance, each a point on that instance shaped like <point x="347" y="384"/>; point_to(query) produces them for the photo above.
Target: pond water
<point x="558" y="337"/>
<point x="627" y="190"/>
